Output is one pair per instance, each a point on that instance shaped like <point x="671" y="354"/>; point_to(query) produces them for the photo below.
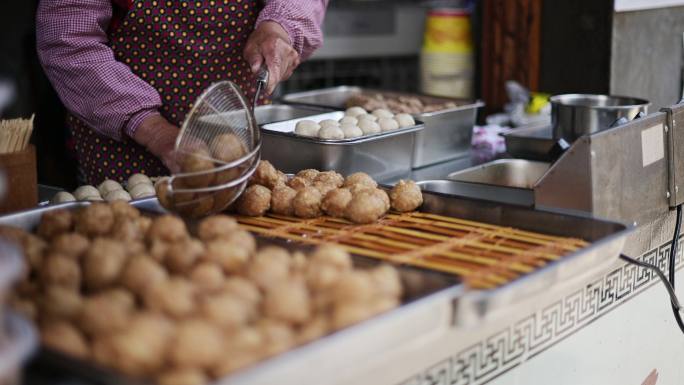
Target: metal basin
<point x="500" y="194"/>
<point x="515" y="173"/>
<point x="277" y="113"/>
<point x="534" y="143"/>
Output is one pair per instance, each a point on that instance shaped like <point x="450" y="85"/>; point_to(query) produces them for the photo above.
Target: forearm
<point x="302" y="20"/>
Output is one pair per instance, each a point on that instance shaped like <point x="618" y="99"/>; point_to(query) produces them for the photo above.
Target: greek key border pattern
<point x="531" y="335"/>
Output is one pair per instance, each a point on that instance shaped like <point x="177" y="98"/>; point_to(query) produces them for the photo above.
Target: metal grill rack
<point x="485" y="256"/>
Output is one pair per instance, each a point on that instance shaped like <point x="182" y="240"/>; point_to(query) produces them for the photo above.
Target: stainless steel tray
<point x="514" y="173"/>
<point x="408" y="326"/>
<point x="447" y="133"/>
<point x="383" y="156"/>
<point x="272" y="113"/>
<point x="532" y="143"/>
<point x="500" y="194"/>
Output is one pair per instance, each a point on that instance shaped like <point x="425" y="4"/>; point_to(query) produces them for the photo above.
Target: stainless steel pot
<point x="573" y="115"/>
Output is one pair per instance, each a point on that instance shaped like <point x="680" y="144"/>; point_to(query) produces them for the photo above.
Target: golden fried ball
<point x="226" y="310"/>
<point x="200" y="205"/>
<point x="234" y="362"/>
<point x="278" y="336"/>
<point x="60" y="270"/>
<point x="207" y="277"/>
<point x="198" y="161"/>
<point x="95" y="219"/>
<point x="127" y="230"/>
<point x="142" y="272"/>
<point x="269" y="266"/>
<point x="308" y="174"/>
<point x="266" y="175"/>
<point x="254" y="201"/>
<point x="164" y="196"/>
<point x="321" y="276"/>
<point x="299" y="183"/>
<point x="386" y="281"/>
<point x="360" y="178"/>
<point x="324" y="187"/>
<point x="380" y="193"/>
<point x="288" y="301"/>
<point x="59" y="302"/>
<point x="329" y="177"/>
<point x="64" y="337"/>
<point x="231" y="256"/>
<point x="174" y="296"/>
<point x="124" y="210"/>
<point x="228" y="147"/>
<point x="406" y="196"/>
<point x="183" y="376"/>
<point x="55" y="222"/>
<point x="157" y="249"/>
<point x="181" y="256"/>
<point x="70" y="244"/>
<point x="244" y="238"/>
<point x="34" y="248"/>
<point x="331" y="254"/>
<point x="139" y="349"/>
<point x="313" y="329"/>
<point x="243" y="348"/>
<point x="103" y="263"/>
<point x="347" y="314"/>
<point x="216" y="226"/>
<point x="244" y="289"/>
<point x="196" y="343"/>
<point x="107" y="312"/>
<point x="25" y="307"/>
<point x="365" y="207"/>
<point x="167" y="228"/>
<point x="307" y="203"/>
<point x="354" y="286"/>
<point x="281" y="200"/>
<point x="336" y="201"/>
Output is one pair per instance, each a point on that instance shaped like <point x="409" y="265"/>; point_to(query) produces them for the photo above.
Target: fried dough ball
<point x="216" y="226"/>
<point x="55" y="222"/>
<point x="382" y="195"/>
<point x="182" y="376"/>
<point x="307" y="203"/>
<point x="226" y="310"/>
<point x="330" y="177"/>
<point x="245" y="239"/>
<point x="142" y="272"/>
<point x="127" y="230"/>
<point x="299" y="183"/>
<point x="64" y="337"/>
<point x="336" y="201"/>
<point x="347" y="314"/>
<point x="243" y="348"/>
<point x="34" y="248"/>
<point x="139" y="348"/>
<point x="255" y="201"/>
<point x="174" y="296"/>
<point x="107" y="312"/>
<point x="60" y="270"/>
<point x="70" y="244"/>
<point x="25" y="307"/>
<point x="281" y="200"/>
<point x="196" y="343"/>
<point x="386" y="280"/>
<point x="331" y="254"/>
<point x="288" y="301"/>
<point x="228" y="147"/>
<point x="365" y="207"/>
<point x="244" y="289"/>
<point x="59" y="302"/>
<point x="231" y="256"/>
<point x="269" y="266"/>
<point x="324" y="188"/>
<point x="314" y="329"/>
<point x="103" y="263"/>
<point x="320" y="277"/>
<point x="123" y="210"/>
<point x="167" y="228"/>
<point x="198" y="161"/>
<point x="354" y="286"/>
<point x="181" y="256"/>
<point x="406" y="196"/>
<point x="207" y="277"/>
<point x="278" y="336"/>
<point x="360" y="178"/>
<point x="95" y="220"/>
<point x="308" y="174"/>
<point x="266" y="175"/>
<point x="161" y="188"/>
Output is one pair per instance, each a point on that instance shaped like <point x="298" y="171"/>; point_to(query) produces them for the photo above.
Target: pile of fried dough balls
<point x="143" y="296"/>
<point x="312" y="193"/>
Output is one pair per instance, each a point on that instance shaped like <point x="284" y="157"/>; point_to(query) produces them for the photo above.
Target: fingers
<point x="281" y="60"/>
<point x="253" y="56"/>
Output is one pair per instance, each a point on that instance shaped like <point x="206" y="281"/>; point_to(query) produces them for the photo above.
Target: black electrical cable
<point x="661" y="275"/>
<point x="673" y="256"/>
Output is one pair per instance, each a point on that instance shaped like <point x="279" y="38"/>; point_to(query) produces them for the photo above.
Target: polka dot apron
<point x="180" y="48"/>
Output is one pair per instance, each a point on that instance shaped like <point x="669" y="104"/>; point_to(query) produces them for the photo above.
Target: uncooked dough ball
<point x="365" y="207"/>
<point x="360" y="178"/>
<point x="141" y="190"/>
<point x="388" y="124"/>
<point x="137" y="179"/>
<point x="307" y="203"/>
<point x="62" y="197"/>
<point x="281" y="200"/>
<point x="351" y="131"/>
<point x="348" y="120"/>
<point x="336" y="201"/>
<point x="117" y="195"/>
<point x="368" y="117"/>
<point x="85" y="192"/>
<point x="216" y="226"/>
<point x="331" y="133"/>
<point x="383" y="113"/>
<point x="288" y="301"/>
<point x="307" y="128"/>
<point x="329" y="123"/>
<point x="369" y="127"/>
<point x="254" y="201"/>
<point x="404" y="120"/>
<point x="406" y="196"/>
<point x="108" y="186"/>
<point x="354" y="111"/>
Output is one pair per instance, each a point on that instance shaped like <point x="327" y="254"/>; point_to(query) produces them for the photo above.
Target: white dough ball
<point x="137" y="179"/>
<point x="354" y="111"/>
<point x="330" y="132"/>
<point x="117" y="195"/>
<point x="388" y="124"/>
<point x="370" y="117"/>
<point x="348" y="120"/>
<point x="95" y="198"/>
<point x="351" y="131"/>
<point x="369" y="127"/>
<point x="142" y="190"/>
<point x="329" y="123"/>
<point x="62" y="197"/>
<point x="307" y="128"/>
<point x="84" y="192"/>
<point x="107" y="186"/>
<point x="383" y="113"/>
<point x="405" y="120"/>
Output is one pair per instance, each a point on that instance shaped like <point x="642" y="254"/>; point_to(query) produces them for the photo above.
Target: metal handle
<point x="261" y="82"/>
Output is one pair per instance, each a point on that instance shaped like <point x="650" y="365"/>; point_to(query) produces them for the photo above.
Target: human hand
<point x="159" y="137"/>
<point x="270" y="44"/>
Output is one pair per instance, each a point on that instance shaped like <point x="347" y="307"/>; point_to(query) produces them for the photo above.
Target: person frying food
<point x="128" y="71"/>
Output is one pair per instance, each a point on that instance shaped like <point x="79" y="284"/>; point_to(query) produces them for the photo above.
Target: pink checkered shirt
<point x="103" y="92"/>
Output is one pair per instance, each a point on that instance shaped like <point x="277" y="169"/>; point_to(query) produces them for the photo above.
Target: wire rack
<point x="485" y="256"/>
